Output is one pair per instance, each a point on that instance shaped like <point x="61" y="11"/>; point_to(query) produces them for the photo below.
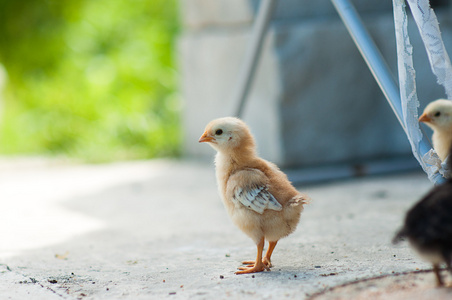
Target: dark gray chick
<point x="428" y="227"/>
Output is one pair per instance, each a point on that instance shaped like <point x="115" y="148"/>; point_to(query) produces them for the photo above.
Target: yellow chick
<point x="258" y="197"/>
<point x="438" y="116"/>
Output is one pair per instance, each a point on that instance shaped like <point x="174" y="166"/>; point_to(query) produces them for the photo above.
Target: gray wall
<point x="313" y="100"/>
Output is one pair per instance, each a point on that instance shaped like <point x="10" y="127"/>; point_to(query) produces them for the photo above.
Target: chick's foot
<point x="253" y="268"/>
<point x="265" y="261"/>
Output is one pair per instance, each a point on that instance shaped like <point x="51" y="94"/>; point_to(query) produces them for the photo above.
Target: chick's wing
<point x="249" y="188"/>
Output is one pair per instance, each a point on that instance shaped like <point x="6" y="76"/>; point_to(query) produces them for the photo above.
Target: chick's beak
<point x="205" y="137"/>
<point x="424" y="118"/>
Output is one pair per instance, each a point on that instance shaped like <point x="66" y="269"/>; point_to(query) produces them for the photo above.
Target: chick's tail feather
<point x="299" y="200"/>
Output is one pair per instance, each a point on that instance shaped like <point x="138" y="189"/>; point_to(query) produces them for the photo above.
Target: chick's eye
<point x="219" y="132"/>
<point x="437" y="114"/>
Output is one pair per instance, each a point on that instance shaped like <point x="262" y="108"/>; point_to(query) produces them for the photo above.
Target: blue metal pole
<point x="252" y="55"/>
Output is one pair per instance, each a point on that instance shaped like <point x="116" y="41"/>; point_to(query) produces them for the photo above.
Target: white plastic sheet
<point x="427" y="24"/>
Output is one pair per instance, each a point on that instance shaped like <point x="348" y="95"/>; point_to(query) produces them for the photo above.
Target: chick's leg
<point x="436" y="270"/>
<point x="267" y="258"/>
<point x="258" y="265"/>
<point x="449" y="264"/>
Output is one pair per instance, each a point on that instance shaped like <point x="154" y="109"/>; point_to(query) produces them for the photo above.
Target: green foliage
<point x="93" y="79"/>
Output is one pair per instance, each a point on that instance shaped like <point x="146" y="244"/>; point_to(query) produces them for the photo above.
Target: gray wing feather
<point x="256" y="198"/>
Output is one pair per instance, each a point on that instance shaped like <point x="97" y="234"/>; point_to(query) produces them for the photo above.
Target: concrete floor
<point x="157" y="229"/>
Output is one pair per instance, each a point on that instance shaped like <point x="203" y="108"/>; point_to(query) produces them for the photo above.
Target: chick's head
<point x="438" y="114"/>
<point x="227" y="134"/>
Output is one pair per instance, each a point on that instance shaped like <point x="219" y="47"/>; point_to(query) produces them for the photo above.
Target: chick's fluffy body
<point x="238" y="166"/>
<point x="271" y="224"/>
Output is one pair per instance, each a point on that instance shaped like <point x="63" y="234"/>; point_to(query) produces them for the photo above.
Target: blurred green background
<point x="90" y="79"/>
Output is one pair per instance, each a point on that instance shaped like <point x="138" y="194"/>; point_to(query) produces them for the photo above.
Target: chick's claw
<point x="265" y="261"/>
<point x="252" y="269"/>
